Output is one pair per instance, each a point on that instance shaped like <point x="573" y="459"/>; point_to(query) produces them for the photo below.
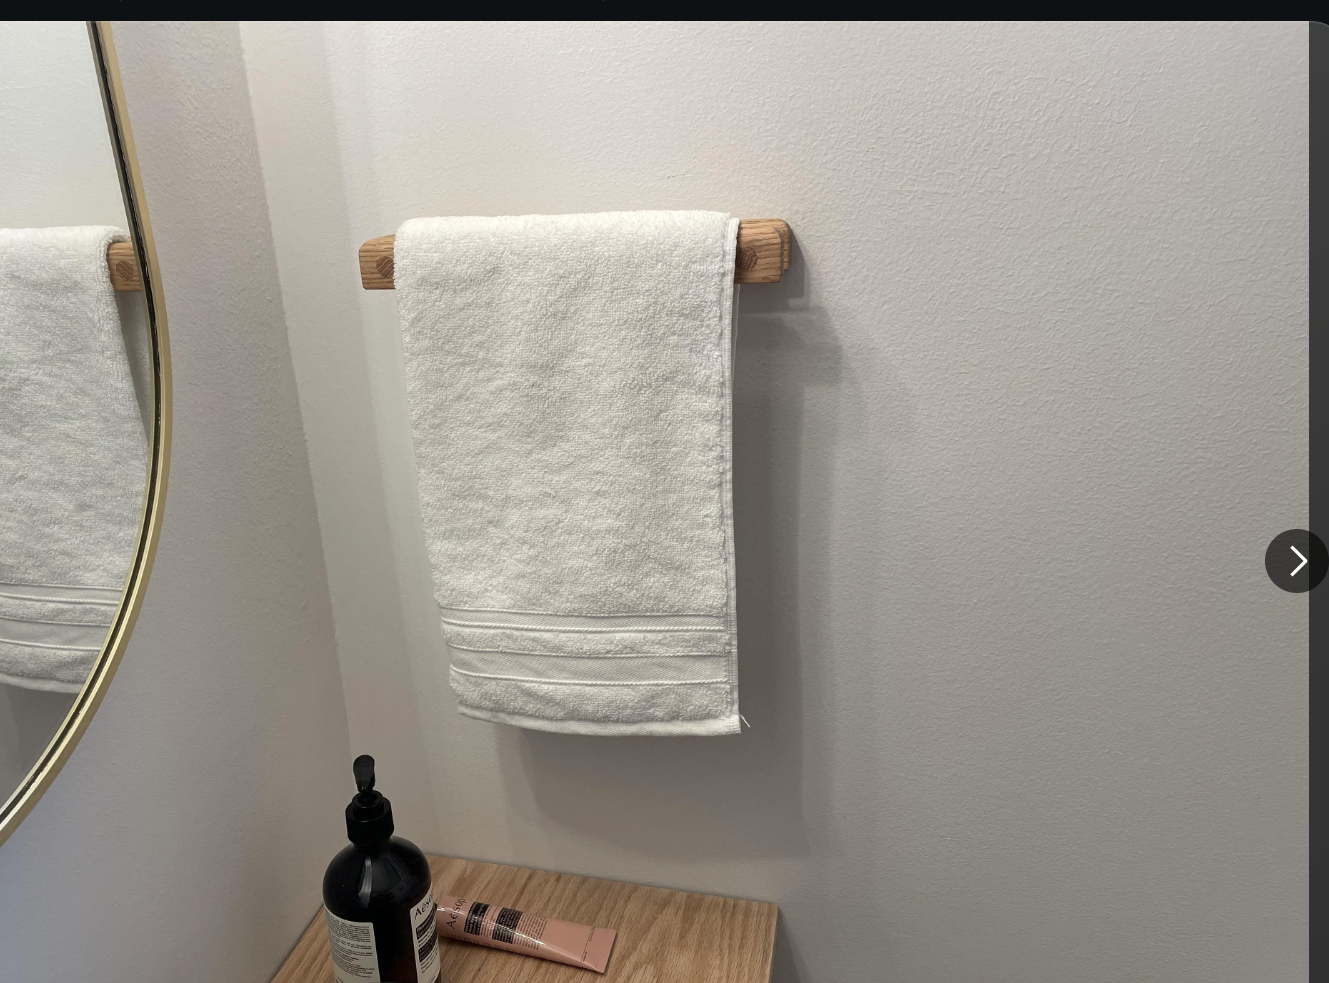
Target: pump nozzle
<point x="369" y="815"/>
<point x="363" y="769"/>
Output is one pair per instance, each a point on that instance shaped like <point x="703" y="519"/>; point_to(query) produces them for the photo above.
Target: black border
<point x="1319" y="410"/>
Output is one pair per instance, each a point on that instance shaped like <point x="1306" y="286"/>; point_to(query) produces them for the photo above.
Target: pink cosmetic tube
<point x="531" y="935"/>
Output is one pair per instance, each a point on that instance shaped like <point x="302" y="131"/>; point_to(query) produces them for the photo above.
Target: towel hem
<point x="658" y="728"/>
<point x="44" y="685"/>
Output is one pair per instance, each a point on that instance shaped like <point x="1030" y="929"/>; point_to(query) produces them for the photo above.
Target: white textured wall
<point x="1011" y="440"/>
<point x="186" y="837"/>
<point x="56" y="166"/>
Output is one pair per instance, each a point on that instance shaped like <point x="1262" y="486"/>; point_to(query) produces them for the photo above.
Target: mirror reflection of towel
<point x="73" y="454"/>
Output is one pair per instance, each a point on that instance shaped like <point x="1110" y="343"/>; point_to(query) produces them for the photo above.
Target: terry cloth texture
<point x="73" y="455"/>
<point x="570" y="383"/>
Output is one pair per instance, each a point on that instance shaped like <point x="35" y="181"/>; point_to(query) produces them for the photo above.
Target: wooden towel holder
<point x="762" y="256"/>
<point x="123" y="266"/>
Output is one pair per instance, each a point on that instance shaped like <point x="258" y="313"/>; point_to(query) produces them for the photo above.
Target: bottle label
<point x="424" y="927"/>
<point x="354" y="956"/>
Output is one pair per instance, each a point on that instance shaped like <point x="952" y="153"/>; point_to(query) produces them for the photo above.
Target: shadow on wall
<point x="338" y="348"/>
<point x="785" y="966"/>
<point x="29" y="719"/>
<point x="767" y="792"/>
<point x="691" y="798"/>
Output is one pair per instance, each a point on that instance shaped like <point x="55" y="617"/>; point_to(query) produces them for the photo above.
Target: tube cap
<point x="369" y="814"/>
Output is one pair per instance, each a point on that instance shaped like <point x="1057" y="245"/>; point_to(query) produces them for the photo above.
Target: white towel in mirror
<point x="73" y="454"/>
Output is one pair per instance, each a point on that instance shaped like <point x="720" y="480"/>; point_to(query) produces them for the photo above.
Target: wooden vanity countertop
<point x="664" y="936"/>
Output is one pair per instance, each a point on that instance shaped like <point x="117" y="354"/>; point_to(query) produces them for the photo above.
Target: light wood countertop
<point x="664" y="936"/>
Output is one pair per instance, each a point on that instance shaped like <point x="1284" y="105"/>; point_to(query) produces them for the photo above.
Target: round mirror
<point x="84" y="395"/>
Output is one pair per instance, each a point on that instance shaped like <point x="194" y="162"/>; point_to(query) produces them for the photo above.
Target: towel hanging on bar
<point x="761" y="255"/>
<point x="73" y="455"/>
<point x="570" y="379"/>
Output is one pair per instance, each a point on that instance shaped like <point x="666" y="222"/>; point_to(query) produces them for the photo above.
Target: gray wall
<point x="1011" y="440"/>
<point x="187" y="835"/>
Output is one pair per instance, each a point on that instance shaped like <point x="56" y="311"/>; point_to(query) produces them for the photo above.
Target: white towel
<point x="73" y="455"/>
<point x="570" y="381"/>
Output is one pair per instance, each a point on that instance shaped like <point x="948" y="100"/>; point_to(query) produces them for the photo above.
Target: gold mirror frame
<point x="57" y="752"/>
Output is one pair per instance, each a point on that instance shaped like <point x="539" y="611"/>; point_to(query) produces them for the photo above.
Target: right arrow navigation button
<point x="1297" y="569"/>
<point x="1296" y="560"/>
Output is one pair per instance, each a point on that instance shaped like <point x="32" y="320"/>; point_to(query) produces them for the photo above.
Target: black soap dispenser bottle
<point x="378" y="897"/>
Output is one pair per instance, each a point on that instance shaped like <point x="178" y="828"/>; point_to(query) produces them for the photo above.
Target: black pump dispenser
<point x="378" y="896"/>
<point x="369" y="814"/>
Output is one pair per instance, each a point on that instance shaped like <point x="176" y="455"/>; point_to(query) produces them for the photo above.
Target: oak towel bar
<point x="123" y="266"/>
<point x="762" y="255"/>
